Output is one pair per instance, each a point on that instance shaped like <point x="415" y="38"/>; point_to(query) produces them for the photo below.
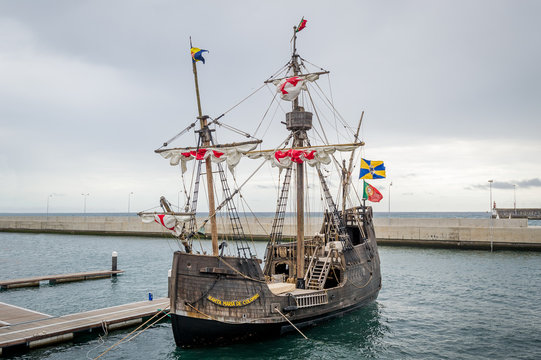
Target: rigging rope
<point x="246" y="98"/>
<point x="240" y="102"/>
<point x="273" y="116"/>
<point x="237" y="190"/>
<point x="331" y="108"/>
<point x="281" y="69"/>
<point x="240" y="273"/>
<point x="340" y="117"/>
<point x="249" y="208"/>
<point x="177" y="135"/>
<point x="265" y="114"/>
<point x="304" y="60"/>
<point x="332" y="103"/>
<point x="317" y="117"/>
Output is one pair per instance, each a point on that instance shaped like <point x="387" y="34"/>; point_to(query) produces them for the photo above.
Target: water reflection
<point x="359" y="333"/>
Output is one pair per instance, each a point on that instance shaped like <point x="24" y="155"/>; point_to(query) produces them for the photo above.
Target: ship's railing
<point x="357" y="215"/>
<point x="311" y="299"/>
<point x="289" y="250"/>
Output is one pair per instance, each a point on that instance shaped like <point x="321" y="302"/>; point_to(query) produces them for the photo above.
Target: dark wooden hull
<point x="221" y="300"/>
<point x="195" y="332"/>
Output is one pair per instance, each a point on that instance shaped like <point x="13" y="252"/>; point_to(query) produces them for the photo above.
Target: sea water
<point x="434" y="303"/>
<point x="270" y="215"/>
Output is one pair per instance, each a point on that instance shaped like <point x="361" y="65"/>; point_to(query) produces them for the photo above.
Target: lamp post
<point x="84" y="203"/>
<point x="515" y="197"/>
<point x="490" y="204"/>
<point x="390" y="184"/>
<point x="48" y="199"/>
<point x="129" y="200"/>
<point x="490" y="213"/>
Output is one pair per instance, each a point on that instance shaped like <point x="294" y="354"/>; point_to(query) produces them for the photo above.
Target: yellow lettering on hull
<point x="232" y="303"/>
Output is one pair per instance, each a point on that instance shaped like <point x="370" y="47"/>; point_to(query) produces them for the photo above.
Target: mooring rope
<point x="202" y="313"/>
<point x="296" y="328"/>
<point x="149" y="326"/>
<point x="139" y="327"/>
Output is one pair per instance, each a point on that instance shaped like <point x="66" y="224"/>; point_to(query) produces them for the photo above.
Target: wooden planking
<point x="61" y="328"/>
<point x="11" y="314"/>
<point x="34" y="281"/>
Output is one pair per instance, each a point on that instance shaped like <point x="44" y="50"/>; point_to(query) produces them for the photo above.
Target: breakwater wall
<point x="434" y="232"/>
<point x="512" y="213"/>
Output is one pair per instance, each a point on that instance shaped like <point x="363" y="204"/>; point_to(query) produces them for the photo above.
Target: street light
<point x="490" y="213"/>
<point x="48" y="199"/>
<point x="129" y="199"/>
<point x="515" y="197"/>
<point x="84" y="206"/>
<point x="490" y="204"/>
<point x="390" y="184"/>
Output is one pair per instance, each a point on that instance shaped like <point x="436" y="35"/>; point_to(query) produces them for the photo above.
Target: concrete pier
<point x="434" y="232"/>
<point x="459" y="233"/>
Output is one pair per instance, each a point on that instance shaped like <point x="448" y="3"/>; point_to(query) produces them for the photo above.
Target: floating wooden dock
<point x="54" y="279"/>
<point x="28" y="334"/>
<point x="11" y="314"/>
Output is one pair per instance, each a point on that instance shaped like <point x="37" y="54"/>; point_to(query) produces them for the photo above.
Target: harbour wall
<point x="512" y="213"/>
<point x="433" y="232"/>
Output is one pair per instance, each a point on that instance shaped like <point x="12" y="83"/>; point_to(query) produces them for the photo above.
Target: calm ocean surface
<point x="434" y="304"/>
<point x="460" y="215"/>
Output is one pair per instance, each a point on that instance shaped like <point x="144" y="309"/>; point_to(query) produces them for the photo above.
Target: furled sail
<point x="290" y="88"/>
<point x="173" y="223"/>
<point x="230" y="154"/>
<point x="313" y="155"/>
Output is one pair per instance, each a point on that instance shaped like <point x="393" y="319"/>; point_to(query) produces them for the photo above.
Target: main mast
<point x="204" y="133"/>
<point x="298" y="122"/>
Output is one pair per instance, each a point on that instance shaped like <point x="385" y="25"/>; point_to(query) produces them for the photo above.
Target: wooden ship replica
<point x="218" y="299"/>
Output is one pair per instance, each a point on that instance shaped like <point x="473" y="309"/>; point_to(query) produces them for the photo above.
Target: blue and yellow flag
<point x="372" y="169"/>
<point x="197" y="54"/>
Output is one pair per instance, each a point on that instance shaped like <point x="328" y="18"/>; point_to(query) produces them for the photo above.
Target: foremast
<point x="204" y="133"/>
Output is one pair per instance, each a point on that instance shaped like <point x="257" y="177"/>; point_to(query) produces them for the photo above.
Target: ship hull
<point x="196" y="332"/>
<point x="218" y="300"/>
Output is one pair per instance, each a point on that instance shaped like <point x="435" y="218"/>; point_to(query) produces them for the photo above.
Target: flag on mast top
<point x="302" y="25"/>
<point x="197" y="54"/>
<point x="371" y="169"/>
<point x="370" y="193"/>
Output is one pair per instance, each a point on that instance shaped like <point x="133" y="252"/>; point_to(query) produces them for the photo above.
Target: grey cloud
<point x="531" y="183"/>
<point x="91" y="112"/>
<point x="536" y="182"/>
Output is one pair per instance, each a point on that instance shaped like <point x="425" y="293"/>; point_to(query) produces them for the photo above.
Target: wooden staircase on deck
<point x="318" y="272"/>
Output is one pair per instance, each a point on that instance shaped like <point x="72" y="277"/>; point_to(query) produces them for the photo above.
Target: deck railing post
<point x="169" y="283"/>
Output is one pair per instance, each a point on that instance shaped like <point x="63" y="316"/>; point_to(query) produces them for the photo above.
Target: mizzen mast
<point x="205" y="135"/>
<point x="346" y="174"/>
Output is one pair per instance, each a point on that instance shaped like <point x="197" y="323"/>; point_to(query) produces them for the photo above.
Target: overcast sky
<point x="88" y="89"/>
